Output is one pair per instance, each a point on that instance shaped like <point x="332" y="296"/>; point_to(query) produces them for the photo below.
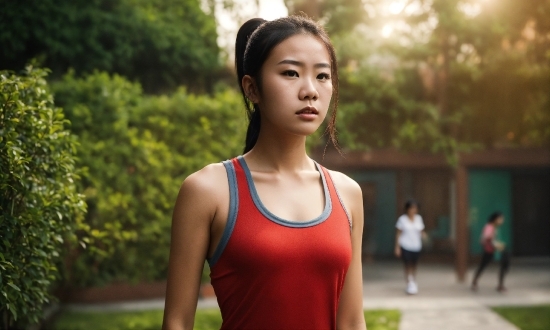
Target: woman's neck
<point x="279" y="152"/>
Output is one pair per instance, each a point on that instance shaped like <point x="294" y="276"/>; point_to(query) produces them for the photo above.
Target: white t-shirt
<point x="411" y="232"/>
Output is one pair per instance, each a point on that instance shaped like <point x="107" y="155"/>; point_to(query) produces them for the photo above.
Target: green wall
<point x="489" y="191"/>
<point x="385" y="215"/>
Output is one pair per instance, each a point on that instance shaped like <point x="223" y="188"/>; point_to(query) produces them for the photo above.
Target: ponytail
<point x="252" y="110"/>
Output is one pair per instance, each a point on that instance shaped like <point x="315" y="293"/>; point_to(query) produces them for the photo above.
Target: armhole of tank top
<point x="232" y="215"/>
<point x="339" y="199"/>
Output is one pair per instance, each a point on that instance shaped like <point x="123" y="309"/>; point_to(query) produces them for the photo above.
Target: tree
<point x="158" y="43"/>
<point x="338" y="16"/>
<point x="41" y="210"/>
<point x="442" y="76"/>
<point x="509" y="100"/>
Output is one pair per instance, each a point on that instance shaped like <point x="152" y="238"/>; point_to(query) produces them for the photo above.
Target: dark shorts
<point x="409" y="257"/>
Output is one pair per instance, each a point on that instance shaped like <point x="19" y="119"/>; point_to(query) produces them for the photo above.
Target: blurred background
<point x="444" y="101"/>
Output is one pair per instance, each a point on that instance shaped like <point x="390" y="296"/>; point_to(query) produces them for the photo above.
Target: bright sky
<point x="228" y="27"/>
<point x="272" y="9"/>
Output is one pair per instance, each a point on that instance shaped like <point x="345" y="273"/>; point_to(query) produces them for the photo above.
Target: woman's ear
<point x="250" y="89"/>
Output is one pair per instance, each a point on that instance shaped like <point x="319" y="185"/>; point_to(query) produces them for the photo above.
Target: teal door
<point x="489" y="191"/>
<point x="380" y="223"/>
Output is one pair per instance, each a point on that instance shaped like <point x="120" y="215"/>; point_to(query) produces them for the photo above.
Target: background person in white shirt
<point x="408" y="242"/>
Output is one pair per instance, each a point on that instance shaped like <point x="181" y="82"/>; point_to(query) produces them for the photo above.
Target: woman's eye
<point x="290" y="73"/>
<point x="323" y="76"/>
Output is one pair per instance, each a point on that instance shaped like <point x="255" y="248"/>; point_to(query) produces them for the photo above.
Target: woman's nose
<point x="308" y="90"/>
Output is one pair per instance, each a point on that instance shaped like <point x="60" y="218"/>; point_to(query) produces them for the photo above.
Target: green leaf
<point x="13" y="313"/>
<point x="14" y="286"/>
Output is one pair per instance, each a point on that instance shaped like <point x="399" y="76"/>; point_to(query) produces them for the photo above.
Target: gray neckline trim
<point x="294" y="224"/>
<point x="232" y="216"/>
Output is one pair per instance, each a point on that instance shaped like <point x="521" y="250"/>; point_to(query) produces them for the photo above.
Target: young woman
<point x="281" y="233"/>
<point x="408" y="243"/>
<point x="490" y="245"/>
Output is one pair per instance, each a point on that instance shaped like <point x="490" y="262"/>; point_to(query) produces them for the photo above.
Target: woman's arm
<point x="498" y="245"/>
<point x="193" y="213"/>
<point x="423" y="234"/>
<point x="350" y="309"/>
<point x="397" y="249"/>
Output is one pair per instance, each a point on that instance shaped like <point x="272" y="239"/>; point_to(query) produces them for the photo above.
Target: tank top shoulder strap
<point x="233" y="210"/>
<point x="334" y="192"/>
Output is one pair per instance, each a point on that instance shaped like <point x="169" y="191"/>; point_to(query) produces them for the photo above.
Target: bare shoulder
<point x="204" y="189"/>
<point x="206" y="179"/>
<point x="345" y="185"/>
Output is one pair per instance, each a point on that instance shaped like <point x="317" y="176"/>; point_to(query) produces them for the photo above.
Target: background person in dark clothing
<point x="490" y="245"/>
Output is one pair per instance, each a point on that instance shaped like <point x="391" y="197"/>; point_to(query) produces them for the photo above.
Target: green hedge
<point x="40" y="208"/>
<point x="136" y="150"/>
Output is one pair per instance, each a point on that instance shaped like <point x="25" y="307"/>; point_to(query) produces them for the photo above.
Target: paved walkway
<point x="442" y="303"/>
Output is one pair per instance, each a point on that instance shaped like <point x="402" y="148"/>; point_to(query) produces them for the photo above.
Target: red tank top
<point x="270" y="273"/>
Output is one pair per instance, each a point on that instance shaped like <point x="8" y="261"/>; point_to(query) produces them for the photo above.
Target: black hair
<point x="255" y="40"/>
<point x="410" y="203"/>
<point x="494" y="216"/>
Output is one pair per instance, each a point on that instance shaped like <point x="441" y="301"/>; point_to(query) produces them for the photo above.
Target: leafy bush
<point x="137" y="150"/>
<point x="392" y="113"/>
<point x="40" y="208"/>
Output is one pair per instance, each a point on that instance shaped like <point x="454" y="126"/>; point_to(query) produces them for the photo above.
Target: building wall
<point x="531" y="211"/>
<point x="443" y="192"/>
<point x="490" y="190"/>
<point x="379" y="204"/>
<point x="522" y="194"/>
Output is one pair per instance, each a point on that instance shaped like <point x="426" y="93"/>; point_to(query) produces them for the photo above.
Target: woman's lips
<point x="307" y="113"/>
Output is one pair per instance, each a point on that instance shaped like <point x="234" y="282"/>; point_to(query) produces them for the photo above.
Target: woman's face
<point x="296" y="85"/>
<point x="499" y="221"/>
<point x="411" y="211"/>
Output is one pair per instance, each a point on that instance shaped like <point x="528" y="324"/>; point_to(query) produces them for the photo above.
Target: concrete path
<point x="442" y="303"/>
<point x="472" y="318"/>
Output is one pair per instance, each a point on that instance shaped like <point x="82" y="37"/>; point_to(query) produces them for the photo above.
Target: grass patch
<point x="382" y="319"/>
<point x="209" y="319"/>
<point x="109" y="320"/>
<point x="527" y="317"/>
